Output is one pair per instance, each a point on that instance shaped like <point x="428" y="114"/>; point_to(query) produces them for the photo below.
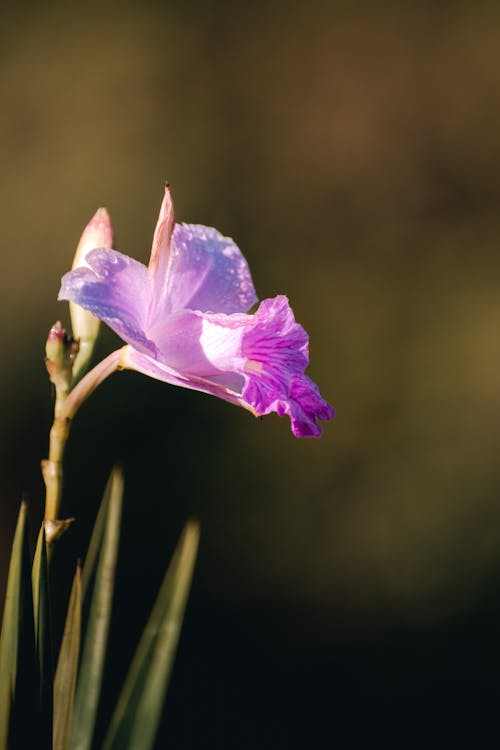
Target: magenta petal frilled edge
<point x="186" y="323"/>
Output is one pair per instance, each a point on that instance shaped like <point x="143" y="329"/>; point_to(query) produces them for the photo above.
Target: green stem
<point x="66" y="406"/>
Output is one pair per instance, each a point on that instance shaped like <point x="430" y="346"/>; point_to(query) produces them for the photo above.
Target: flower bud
<point x="98" y="233"/>
<point x="60" y="353"/>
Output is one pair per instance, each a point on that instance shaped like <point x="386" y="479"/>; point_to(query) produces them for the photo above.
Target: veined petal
<point x="116" y="289"/>
<point x="299" y="398"/>
<point x="305" y="406"/>
<point x="207" y="272"/>
<point x="256" y="361"/>
<point x="276" y="352"/>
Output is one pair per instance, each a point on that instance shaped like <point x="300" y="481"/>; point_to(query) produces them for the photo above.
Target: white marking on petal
<point x="254" y="367"/>
<point x="222" y="345"/>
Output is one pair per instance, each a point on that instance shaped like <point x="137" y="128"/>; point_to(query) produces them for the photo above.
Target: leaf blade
<point x="138" y="712"/>
<point x="18" y="669"/>
<point x="10" y="623"/>
<point x="43" y="638"/>
<point x="5" y="713"/>
<point x="67" y="667"/>
<point x="100" y="595"/>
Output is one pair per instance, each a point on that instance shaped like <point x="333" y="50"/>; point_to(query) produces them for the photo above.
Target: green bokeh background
<point x="347" y="588"/>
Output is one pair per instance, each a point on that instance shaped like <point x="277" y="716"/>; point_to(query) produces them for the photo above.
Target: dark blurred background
<point x="347" y="589"/>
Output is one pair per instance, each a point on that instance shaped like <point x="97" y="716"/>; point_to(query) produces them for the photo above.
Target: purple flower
<point x="185" y="321"/>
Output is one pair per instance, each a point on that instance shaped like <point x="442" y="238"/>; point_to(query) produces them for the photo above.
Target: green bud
<point x="60" y="353"/>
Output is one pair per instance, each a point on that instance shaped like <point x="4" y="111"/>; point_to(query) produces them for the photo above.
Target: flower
<point x="185" y="321"/>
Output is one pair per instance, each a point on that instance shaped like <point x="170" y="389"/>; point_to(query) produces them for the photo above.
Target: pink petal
<point x="276" y="352"/>
<point x="116" y="289"/>
<point x="134" y="360"/>
<point x="160" y="251"/>
<point x="202" y="345"/>
<point x="256" y="361"/>
<point x="207" y="272"/>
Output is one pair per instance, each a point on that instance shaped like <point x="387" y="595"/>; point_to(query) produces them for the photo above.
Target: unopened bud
<point x="60" y="353"/>
<point x="98" y="233"/>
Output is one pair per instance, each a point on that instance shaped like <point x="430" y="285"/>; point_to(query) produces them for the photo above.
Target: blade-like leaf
<point x="99" y="593"/>
<point x="43" y="643"/>
<point x="138" y="712"/>
<point x="12" y="613"/>
<point x="18" y="668"/>
<point x="67" y="667"/>
<point x="5" y="714"/>
<point x="95" y="544"/>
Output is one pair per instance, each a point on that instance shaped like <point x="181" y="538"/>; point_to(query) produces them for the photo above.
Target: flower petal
<point x="116" y="289"/>
<point x="256" y="361"/>
<point x="160" y="251"/>
<point x="134" y="360"/>
<point x="304" y="406"/>
<point x="207" y="272"/>
<point x="276" y="352"/>
<point x="202" y="345"/>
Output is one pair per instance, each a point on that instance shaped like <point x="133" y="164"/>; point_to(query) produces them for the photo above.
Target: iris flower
<point x="185" y="321"/>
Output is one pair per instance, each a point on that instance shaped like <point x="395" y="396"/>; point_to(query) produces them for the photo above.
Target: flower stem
<point x="66" y="406"/>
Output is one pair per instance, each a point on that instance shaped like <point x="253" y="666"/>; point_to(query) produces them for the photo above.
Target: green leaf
<point x="43" y="643"/>
<point x="98" y="584"/>
<point x="139" y="709"/>
<point x="12" y="614"/>
<point x="18" y="668"/>
<point x="5" y="713"/>
<point x="95" y="544"/>
<point x="67" y="667"/>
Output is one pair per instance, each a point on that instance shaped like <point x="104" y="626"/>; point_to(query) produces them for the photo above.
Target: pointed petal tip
<point x="102" y="214"/>
<point x="160" y="249"/>
<point x="167" y="199"/>
<point x="166" y="204"/>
